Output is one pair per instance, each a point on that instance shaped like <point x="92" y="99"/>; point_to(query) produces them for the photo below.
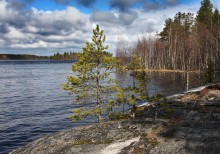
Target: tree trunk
<point x="98" y="94"/>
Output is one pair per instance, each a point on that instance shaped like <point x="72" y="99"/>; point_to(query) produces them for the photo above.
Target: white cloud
<point x="70" y="28"/>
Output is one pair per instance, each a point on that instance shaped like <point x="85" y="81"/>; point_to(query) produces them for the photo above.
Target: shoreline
<point x="172" y="71"/>
<point x="144" y="133"/>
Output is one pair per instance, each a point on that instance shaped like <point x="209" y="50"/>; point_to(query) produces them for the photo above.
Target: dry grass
<point x="213" y="93"/>
<point x="189" y="97"/>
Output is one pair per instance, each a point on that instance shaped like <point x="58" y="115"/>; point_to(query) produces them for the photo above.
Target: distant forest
<point x="65" y="56"/>
<point x="21" y="57"/>
<point x="188" y="42"/>
<point x="56" y="56"/>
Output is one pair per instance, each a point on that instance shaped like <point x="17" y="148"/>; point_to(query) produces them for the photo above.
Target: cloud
<point x="121" y="18"/>
<point x="85" y="3"/>
<point x="127" y="17"/>
<point x="59" y="22"/>
<point x="105" y="17"/>
<point x="172" y="2"/>
<point x="14" y="13"/>
<point x="16" y="5"/>
<point x="158" y="4"/>
<point x="147" y="5"/>
<point x="25" y="30"/>
<point x="123" y="5"/>
<point x="35" y="29"/>
<point x="154" y="5"/>
<point x="4" y="28"/>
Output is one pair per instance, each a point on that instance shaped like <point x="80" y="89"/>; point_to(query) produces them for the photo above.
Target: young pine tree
<point x="140" y="75"/>
<point x="92" y="81"/>
<point x="134" y="66"/>
<point x="138" y="91"/>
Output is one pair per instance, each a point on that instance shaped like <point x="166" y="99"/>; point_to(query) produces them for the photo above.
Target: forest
<point x="21" y="57"/>
<point x="56" y="56"/>
<point x="187" y="42"/>
<point x="64" y="56"/>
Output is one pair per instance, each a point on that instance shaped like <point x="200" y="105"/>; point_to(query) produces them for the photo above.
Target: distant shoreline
<point x="170" y="70"/>
<point x="34" y="60"/>
<point x="22" y="57"/>
<point x="56" y="57"/>
<point x="8" y="57"/>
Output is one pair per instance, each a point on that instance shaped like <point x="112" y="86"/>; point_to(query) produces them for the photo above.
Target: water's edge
<point x="188" y="134"/>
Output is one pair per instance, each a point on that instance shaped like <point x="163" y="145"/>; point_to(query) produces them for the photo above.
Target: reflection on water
<point x="33" y="103"/>
<point x="166" y="83"/>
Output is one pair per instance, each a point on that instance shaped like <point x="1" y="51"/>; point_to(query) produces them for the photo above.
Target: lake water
<point x="33" y="103"/>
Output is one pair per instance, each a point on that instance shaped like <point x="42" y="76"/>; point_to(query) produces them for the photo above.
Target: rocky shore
<point x="185" y="123"/>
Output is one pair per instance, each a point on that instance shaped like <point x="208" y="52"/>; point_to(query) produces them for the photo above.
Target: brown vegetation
<point x="212" y="90"/>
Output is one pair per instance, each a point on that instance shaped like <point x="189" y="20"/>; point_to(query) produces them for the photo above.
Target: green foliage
<point x="165" y="107"/>
<point x="132" y="95"/>
<point x="122" y="98"/>
<point x="164" y="35"/>
<point x="92" y="80"/>
<point x="65" y="56"/>
<point x="143" y="79"/>
<point x="22" y="57"/>
<point x="209" y="73"/>
<point x="132" y="100"/>
<point x="80" y="114"/>
<point x="118" y="116"/>
<point x="141" y="76"/>
<point x="184" y="22"/>
<point x="180" y="26"/>
<point x="157" y="98"/>
<point x="216" y="17"/>
<point x="111" y="106"/>
<point x="205" y="13"/>
<point x="135" y="64"/>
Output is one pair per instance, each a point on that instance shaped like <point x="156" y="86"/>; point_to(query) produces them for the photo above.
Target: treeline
<point x="56" y="56"/>
<point x="187" y="42"/>
<point x="65" y="56"/>
<point x="21" y="57"/>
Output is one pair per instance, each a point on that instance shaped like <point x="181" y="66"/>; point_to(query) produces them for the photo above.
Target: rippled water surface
<point x="33" y="103"/>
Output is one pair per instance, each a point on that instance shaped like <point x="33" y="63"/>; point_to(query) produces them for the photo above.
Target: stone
<point x="192" y="115"/>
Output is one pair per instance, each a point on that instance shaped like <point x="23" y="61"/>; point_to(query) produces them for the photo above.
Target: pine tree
<point x="122" y="98"/>
<point x="209" y="73"/>
<point x="166" y="33"/>
<point x="205" y="13"/>
<point x="181" y="25"/>
<point x="216" y="17"/>
<point x="143" y="78"/>
<point x="92" y="81"/>
<point x="131" y="95"/>
<point x="135" y="64"/>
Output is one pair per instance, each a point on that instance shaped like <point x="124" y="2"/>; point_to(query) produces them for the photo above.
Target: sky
<point x="44" y="27"/>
